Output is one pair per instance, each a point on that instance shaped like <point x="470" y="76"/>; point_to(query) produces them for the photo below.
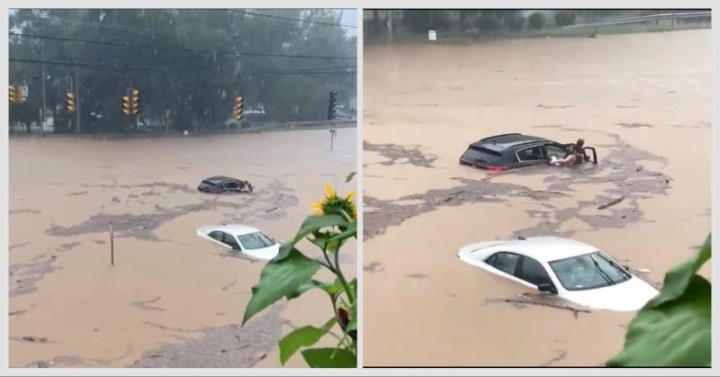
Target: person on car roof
<point x="574" y="155"/>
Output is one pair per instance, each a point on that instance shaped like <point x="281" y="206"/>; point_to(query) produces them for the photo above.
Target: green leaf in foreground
<point x="314" y="223"/>
<point x="329" y="358"/>
<point x="351" y="231"/>
<point x="674" y="328"/>
<point x="280" y="278"/>
<point x="302" y="337"/>
<point x="350" y="177"/>
<point x="676" y="334"/>
<point x="677" y="279"/>
<point x="302" y="288"/>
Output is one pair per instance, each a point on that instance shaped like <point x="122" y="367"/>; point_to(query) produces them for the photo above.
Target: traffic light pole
<point x="72" y="90"/>
<point x="42" y="73"/>
<point x="77" y="101"/>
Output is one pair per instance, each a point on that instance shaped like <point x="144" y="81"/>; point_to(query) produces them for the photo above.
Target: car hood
<point x="631" y="295"/>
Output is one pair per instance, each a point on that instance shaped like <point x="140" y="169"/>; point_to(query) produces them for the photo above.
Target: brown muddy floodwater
<point x="645" y="102"/>
<point x="172" y="299"/>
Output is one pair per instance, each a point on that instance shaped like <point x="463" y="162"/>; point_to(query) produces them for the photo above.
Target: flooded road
<point x="643" y="100"/>
<point x="171" y="299"/>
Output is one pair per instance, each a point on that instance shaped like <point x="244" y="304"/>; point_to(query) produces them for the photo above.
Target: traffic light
<point x="131" y="102"/>
<point x="135" y="101"/>
<point x="332" y="108"/>
<point x="238" y="108"/>
<point x="20" y="93"/>
<point x="70" y="102"/>
<point x="11" y="94"/>
<point x="126" y="107"/>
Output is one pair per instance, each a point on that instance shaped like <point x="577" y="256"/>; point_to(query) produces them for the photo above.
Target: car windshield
<point x="255" y="241"/>
<point x="481" y="155"/>
<point x="589" y="271"/>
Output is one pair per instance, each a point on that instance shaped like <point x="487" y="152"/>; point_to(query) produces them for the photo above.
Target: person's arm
<point x="569" y="160"/>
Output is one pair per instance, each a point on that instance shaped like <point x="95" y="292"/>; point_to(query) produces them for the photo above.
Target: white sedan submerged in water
<point x="570" y="269"/>
<point x="243" y="239"/>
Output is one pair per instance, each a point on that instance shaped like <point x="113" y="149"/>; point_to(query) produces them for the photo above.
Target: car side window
<point x="231" y="185"/>
<point x="229" y="240"/>
<point x="554" y="150"/>
<point x="505" y="262"/>
<point x="216" y="235"/>
<point x="531" y="154"/>
<point x="533" y="272"/>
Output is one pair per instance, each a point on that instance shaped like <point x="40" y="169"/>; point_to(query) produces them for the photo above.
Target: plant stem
<point x="333" y="301"/>
<point x="329" y="265"/>
<point x="325" y="265"/>
<point x="334" y="335"/>
<point x="341" y="277"/>
<point x="345" y="215"/>
<point x="341" y="343"/>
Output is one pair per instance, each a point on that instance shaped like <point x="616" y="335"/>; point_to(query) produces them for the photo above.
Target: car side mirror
<point x="547" y="288"/>
<point x="236" y="247"/>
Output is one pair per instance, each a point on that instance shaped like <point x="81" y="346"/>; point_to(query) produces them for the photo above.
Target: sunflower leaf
<point x="281" y="278"/>
<point x="350" y="177"/>
<point x="329" y="358"/>
<point x="302" y="337"/>
<point x="349" y="231"/>
<point x="315" y="223"/>
<point x="674" y="328"/>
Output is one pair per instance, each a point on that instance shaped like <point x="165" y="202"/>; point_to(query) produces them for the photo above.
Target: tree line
<point x="188" y="65"/>
<point x="489" y="21"/>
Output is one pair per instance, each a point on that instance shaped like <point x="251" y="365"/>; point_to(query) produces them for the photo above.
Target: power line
<point x="222" y="52"/>
<point x="305" y="20"/>
<point x="351" y="67"/>
<point x="316" y="72"/>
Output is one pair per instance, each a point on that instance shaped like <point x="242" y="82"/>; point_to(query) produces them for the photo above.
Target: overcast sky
<point x="349" y="17"/>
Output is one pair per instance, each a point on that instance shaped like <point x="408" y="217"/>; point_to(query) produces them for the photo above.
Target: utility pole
<point x="42" y="73"/>
<point x="78" y="100"/>
<point x="390" y="24"/>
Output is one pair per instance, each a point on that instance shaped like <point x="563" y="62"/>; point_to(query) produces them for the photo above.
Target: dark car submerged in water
<point x="515" y="150"/>
<point x="222" y="184"/>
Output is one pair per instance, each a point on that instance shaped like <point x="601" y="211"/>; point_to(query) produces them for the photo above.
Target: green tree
<point x="200" y="60"/>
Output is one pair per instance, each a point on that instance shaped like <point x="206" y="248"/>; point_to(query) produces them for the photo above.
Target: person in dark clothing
<point x="246" y="186"/>
<point x="573" y="156"/>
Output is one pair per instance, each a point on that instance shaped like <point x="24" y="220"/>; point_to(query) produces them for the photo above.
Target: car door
<point x="231" y="186"/>
<point x="504" y="264"/>
<point x="533" y="272"/>
<point x="555" y="150"/>
<point x="533" y="155"/>
<point x="215" y="236"/>
<point x="230" y="240"/>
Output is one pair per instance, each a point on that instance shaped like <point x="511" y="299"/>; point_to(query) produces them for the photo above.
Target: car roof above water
<point x="219" y="179"/>
<point x="507" y="141"/>
<point x="234" y="229"/>
<point x="546" y="249"/>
